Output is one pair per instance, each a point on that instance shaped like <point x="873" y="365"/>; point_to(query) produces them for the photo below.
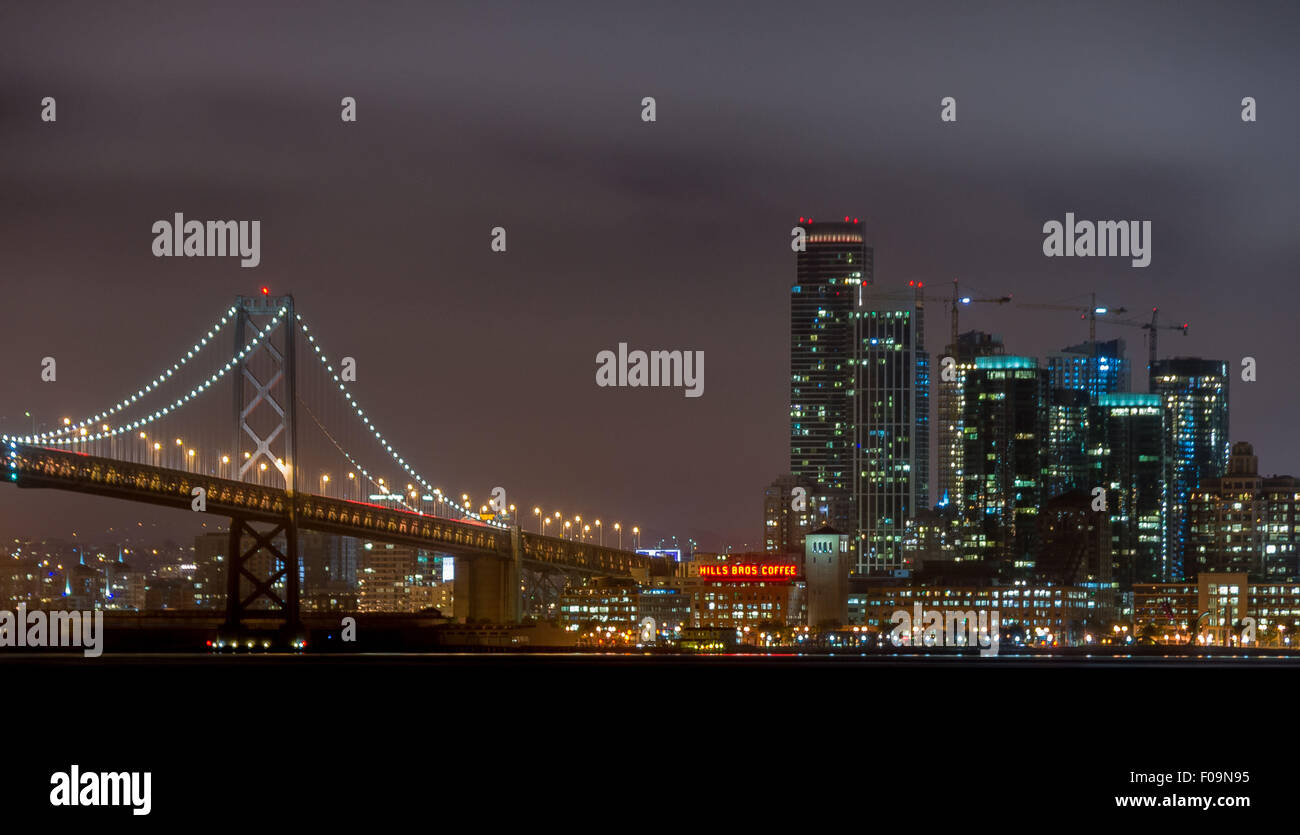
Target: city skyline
<point x="406" y="403"/>
<point x="525" y="327"/>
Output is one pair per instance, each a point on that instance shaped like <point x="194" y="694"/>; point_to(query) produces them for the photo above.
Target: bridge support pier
<point x="487" y="588"/>
<point x="263" y="565"/>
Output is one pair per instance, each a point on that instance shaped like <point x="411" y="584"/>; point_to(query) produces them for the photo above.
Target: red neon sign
<point x="742" y="571"/>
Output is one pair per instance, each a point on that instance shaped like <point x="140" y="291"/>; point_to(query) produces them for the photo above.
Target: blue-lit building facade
<point x="1195" y="394"/>
<point x="1092" y="367"/>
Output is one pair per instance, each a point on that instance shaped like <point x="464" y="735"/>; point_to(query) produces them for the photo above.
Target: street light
<point x="618" y="527"/>
<point x="537" y="511"/>
<point x="636" y="537"/>
<point x="600" y="532"/>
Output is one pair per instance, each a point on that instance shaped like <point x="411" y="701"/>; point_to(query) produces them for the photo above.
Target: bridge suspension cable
<point x="84" y="437"/>
<point x="356" y="407"/>
<point x="75" y="428"/>
<point x="378" y="485"/>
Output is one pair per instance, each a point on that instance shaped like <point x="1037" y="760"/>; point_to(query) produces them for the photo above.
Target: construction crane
<point x="959" y="299"/>
<point x="1153" y="326"/>
<point x="1090" y="313"/>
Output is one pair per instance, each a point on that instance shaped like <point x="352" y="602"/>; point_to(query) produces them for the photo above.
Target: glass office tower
<point x="828" y="273"/>
<point x="891" y="397"/>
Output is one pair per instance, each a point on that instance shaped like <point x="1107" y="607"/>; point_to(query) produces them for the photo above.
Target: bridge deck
<point x="42" y="467"/>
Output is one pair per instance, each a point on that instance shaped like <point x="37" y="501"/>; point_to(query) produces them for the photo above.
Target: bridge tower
<point x="266" y="421"/>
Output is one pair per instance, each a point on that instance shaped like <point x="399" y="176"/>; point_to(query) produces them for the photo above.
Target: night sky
<point x="671" y="235"/>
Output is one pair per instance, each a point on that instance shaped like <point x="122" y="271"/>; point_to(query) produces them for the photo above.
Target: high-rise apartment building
<point x="1128" y="438"/>
<point x="1245" y="522"/>
<point x="949" y="384"/>
<point x="1069" y="466"/>
<point x="386" y="575"/>
<point x="1005" y="435"/>
<point x="1195" y="393"/>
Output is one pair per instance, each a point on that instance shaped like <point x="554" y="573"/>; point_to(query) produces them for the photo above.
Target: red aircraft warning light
<point x="266" y="291"/>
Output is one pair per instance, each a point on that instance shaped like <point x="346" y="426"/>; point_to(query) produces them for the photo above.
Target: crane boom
<point x="957" y="299"/>
<point x="1153" y="327"/>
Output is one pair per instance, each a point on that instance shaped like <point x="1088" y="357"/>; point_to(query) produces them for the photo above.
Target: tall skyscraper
<point x="1195" y="393"/>
<point x="891" y="396"/>
<point x="1092" y="367"/>
<point x="828" y="272"/>
<point x="950" y="382"/>
<point x="1005" y="435"/>
<point x="1128" y="437"/>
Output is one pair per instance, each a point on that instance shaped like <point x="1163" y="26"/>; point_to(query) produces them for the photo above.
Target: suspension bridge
<point x="250" y="459"/>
